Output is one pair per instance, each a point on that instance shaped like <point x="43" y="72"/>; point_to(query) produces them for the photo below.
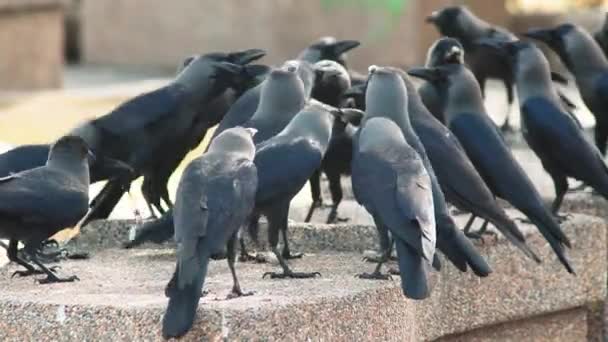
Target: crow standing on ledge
<point x="550" y="132"/>
<point x="390" y="181"/>
<point x="331" y="82"/>
<point x="585" y="60"/>
<point x="467" y="119"/>
<point x="214" y="198"/>
<point x="37" y="203"/>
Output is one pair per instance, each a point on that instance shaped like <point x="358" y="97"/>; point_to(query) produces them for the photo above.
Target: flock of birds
<point x="410" y="150"/>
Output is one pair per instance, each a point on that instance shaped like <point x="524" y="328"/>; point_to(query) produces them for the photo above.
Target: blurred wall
<point x="31" y="36"/>
<point x="161" y="33"/>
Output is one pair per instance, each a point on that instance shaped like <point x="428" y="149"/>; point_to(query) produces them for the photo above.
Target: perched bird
<point x="247" y="105"/>
<point x="390" y="180"/>
<point x="460" y="23"/>
<point x="459" y="180"/>
<point x="467" y="119"/>
<point x="445" y="50"/>
<point x="37" y="203"/>
<point x="550" y="132"/>
<point x="331" y="82"/>
<point x="143" y="130"/>
<point x="387" y="96"/>
<point x="584" y="58"/>
<point x="282" y="95"/>
<point x="27" y="157"/>
<point x="154" y="186"/>
<point x="214" y="198"/>
<point x="285" y="162"/>
<point x="328" y="48"/>
<point x="449" y="51"/>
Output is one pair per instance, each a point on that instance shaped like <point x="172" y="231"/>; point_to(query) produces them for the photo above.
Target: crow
<point x="584" y="58"/>
<point x="37" y="203"/>
<point x="467" y="119"/>
<point x="215" y="196"/>
<point x="550" y="132"/>
<point x="331" y="82"/>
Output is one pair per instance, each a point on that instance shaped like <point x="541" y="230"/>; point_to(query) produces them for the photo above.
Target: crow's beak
<point x="543" y="35"/>
<point x="343" y="46"/>
<point x="427" y="74"/>
<point x="247" y="56"/>
<point x="354" y="91"/>
<point x="349" y="115"/>
<point x="251" y="131"/>
<point x="433" y="17"/>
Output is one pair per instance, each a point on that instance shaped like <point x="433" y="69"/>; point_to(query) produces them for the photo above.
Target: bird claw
<point x="337" y="219"/>
<point x="289" y="255"/>
<point x="51" y="278"/>
<point x="78" y="256"/>
<point x="26" y="273"/>
<point x="292" y="275"/>
<point x="522" y="220"/>
<point x="374" y="276"/>
<point x="238" y="293"/>
<point x="249" y="257"/>
<point x="562" y="218"/>
<point x="394" y="271"/>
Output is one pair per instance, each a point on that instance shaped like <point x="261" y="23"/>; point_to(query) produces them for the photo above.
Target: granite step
<point x="120" y="297"/>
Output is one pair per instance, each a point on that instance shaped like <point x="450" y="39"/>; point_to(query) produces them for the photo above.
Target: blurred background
<point x="63" y="61"/>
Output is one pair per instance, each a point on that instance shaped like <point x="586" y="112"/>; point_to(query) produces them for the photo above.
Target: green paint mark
<point x="387" y="13"/>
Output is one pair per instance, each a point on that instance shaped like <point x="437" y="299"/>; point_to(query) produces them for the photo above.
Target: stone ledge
<point x="120" y="297"/>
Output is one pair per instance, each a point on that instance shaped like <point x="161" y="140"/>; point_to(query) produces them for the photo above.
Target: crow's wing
<point x="23" y="158"/>
<point x="395" y="186"/>
<point x="241" y="111"/>
<point x="43" y="195"/>
<point x="212" y="192"/>
<point x="557" y="138"/>
<point x="143" y="110"/>
<point x="284" y="165"/>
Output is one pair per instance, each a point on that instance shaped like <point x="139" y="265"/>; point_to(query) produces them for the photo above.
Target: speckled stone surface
<point x="120" y="297"/>
<point x="563" y="326"/>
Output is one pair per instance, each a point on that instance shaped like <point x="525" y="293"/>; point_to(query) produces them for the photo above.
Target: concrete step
<point x="120" y="297"/>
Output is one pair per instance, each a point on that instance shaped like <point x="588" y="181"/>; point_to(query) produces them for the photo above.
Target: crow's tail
<point x="414" y="272"/>
<point x="459" y="249"/>
<point x="183" y="301"/>
<point x="552" y="232"/>
<point x="157" y="231"/>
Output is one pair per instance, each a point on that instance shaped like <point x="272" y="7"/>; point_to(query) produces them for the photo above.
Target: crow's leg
<point x="277" y="221"/>
<point x="253" y="231"/>
<point x="315" y="191"/>
<point x="483" y="230"/>
<point x="164" y="195"/>
<point x="51" y="275"/>
<point x="506" y="126"/>
<point x="561" y="187"/>
<point x="13" y="255"/>
<point x="385" y="254"/>
<point x="385" y="243"/>
<point x="147" y="190"/>
<point x="106" y="200"/>
<point x="467" y="227"/>
<point x="335" y="187"/>
<point x="236" y="287"/>
<point x="287" y="254"/>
